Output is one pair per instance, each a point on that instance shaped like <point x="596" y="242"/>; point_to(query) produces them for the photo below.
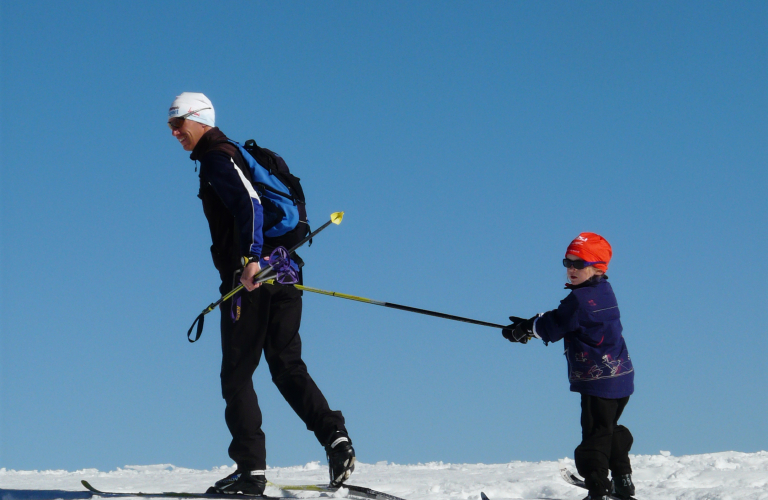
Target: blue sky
<point x="467" y="142"/>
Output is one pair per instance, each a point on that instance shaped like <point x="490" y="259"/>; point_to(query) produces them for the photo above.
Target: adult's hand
<point x="249" y="272"/>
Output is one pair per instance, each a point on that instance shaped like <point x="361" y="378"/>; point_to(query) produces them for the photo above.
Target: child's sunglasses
<point x="579" y="264"/>
<point x="177" y="122"/>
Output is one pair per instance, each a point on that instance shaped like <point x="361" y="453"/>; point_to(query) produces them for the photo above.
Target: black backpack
<point x="275" y="165"/>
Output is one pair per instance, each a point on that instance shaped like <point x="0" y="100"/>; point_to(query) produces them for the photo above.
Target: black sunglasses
<point x="579" y="264"/>
<point x="178" y="122"/>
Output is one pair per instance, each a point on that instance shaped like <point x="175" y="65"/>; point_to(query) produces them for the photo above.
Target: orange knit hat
<point x="591" y="247"/>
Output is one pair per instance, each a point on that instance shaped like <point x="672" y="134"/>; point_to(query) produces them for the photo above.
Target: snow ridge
<point x="716" y="476"/>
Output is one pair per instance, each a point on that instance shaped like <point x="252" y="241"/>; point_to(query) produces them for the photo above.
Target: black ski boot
<point x="341" y="457"/>
<point x="247" y="482"/>
<point x="623" y="487"/>
<point x="598" y="486"/>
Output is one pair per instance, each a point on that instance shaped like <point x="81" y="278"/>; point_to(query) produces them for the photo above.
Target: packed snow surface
<point x="726" y="476"/>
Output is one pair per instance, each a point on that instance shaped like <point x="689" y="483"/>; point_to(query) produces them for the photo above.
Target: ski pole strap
<point x="201" y="317"/>
<point x="199" y="321"/>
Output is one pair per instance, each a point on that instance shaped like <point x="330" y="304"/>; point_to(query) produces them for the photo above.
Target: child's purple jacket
<point x="589" y="323"/>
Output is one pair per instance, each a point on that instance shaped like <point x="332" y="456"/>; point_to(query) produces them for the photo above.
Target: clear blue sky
<point x="467" y="142"/>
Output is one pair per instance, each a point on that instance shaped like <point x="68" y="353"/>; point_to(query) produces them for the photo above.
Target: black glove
<point x="521" y="329"/>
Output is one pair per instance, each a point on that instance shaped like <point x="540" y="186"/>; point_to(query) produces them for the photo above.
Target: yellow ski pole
<point x="336" y="218"/>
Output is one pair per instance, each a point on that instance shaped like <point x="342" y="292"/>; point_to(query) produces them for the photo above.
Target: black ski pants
<point x="604" y="444"/>
<point x="269" y="319"/>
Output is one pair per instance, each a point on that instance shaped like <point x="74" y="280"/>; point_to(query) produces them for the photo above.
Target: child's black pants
<point x="269" y="319"/>
<point x="604" y="444"/>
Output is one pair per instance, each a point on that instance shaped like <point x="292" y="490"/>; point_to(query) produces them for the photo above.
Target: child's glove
<point x="521" y="329"/>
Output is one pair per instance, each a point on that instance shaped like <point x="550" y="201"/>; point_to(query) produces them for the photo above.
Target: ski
<point x="572" y="478"/>
<point x="354" y="491"/>
<point x="174" y="494"/>
<point x="6" y="494"/>
<point x="575" y="480"/>
<point x="483" y="496"/>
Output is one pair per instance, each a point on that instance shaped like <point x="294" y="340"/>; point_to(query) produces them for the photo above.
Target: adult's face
<point x="188" y="132"/>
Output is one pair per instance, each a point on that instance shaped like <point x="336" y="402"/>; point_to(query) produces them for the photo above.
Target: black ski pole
<point x="395" y="306"/>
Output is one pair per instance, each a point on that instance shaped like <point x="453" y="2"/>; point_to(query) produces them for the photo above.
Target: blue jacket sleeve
<point x="237" y="193"/>
<point x="553" y="325"/>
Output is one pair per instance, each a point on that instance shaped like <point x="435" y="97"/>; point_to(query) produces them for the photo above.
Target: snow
<point x="716" y="476"/>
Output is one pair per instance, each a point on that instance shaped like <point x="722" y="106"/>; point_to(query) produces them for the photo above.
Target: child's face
<point x="578" y="276"/>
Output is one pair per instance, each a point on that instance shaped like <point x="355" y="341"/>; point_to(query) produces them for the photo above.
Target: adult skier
<point x="263" y="318"/>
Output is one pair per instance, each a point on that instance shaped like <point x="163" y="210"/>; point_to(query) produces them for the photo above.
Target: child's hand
<point x="521" y="329"/>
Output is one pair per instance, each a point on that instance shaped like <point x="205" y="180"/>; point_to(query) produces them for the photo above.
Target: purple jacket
<point x="589" y="323"/>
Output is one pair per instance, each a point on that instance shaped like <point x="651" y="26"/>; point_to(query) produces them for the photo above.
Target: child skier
<point x="599" y="367"/>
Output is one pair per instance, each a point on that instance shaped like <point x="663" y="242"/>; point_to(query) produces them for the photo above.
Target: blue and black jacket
<point x="231" y="205"/>
<point x="589" y="323"/>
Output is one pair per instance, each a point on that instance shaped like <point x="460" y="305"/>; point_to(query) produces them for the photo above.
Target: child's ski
<point x="575" y="480"/>
<point x="572" y="478"/>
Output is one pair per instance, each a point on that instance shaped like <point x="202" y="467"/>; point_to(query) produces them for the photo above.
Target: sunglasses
<point x="579" y="264"/>
<point x="178" y="122"/>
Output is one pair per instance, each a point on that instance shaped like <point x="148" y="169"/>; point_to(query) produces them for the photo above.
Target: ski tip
<point x="572" y="478"/>
<point x="88" y="485"/>
<point x="483" y="496"/>
<point x="336" y="217"/>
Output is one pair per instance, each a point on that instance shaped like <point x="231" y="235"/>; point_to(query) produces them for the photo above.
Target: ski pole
<point x="393" y="306"/>
<point x="336" y="218"/>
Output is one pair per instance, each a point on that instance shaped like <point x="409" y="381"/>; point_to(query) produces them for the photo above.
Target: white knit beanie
<point x="193" y="101"/>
